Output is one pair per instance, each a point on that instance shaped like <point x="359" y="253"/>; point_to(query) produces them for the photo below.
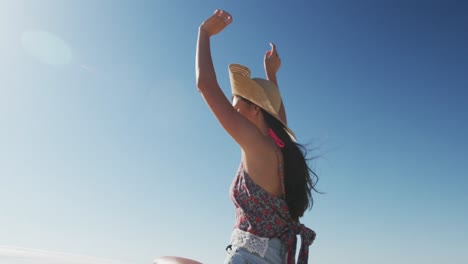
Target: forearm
<point x="282" y="111"/>
<point x="272" y="78"/>
<point x="205" y="72"/>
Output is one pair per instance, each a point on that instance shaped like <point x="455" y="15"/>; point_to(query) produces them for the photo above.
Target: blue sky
<point x="108" y="151"/>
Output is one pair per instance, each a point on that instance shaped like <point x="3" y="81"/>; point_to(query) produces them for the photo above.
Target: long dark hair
<point x="299" y="179"/>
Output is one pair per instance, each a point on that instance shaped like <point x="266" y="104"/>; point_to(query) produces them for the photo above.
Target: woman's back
<point x="264" y="166"/>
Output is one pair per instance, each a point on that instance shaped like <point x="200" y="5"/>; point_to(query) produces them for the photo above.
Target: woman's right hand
<point x="216" y="23"/>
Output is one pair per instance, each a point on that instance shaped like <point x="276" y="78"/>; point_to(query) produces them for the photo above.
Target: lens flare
<point x="46" y="47"/>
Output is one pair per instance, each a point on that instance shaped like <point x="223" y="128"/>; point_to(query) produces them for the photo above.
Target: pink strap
<point x="277" y="140"/>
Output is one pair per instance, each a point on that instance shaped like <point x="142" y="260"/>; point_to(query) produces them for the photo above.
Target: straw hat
<point x="259" y="91"/>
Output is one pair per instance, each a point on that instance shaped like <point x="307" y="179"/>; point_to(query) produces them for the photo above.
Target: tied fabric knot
<point x="277" y="140"/>
<point x="307" y="237"/>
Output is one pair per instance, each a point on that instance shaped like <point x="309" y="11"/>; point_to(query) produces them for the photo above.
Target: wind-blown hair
<point x="299" y="179"/>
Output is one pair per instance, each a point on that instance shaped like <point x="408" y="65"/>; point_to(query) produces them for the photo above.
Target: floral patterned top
<point x="265" y="215"/>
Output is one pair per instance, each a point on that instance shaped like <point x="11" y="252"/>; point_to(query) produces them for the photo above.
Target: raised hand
<point x="272" y="61"/>
<point x="216" y="23"/>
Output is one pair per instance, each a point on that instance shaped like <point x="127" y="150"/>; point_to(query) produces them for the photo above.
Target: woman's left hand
<point x="272" y="61"/>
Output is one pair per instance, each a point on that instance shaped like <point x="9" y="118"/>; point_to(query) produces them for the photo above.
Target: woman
<point x="273" y="186"/>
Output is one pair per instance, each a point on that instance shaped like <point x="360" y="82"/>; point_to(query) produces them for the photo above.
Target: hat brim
<point x="254" y="90"/>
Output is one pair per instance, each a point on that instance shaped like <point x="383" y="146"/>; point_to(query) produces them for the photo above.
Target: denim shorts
<point x="274" y="254"/>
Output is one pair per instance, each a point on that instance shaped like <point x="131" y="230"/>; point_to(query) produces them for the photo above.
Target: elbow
<point x="203" y="84"/>
<point x="200" y="85"/>
<point x="205" y="79"/>
<point x="200" y="81"/>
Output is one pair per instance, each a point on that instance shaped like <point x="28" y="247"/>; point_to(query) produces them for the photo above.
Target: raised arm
<point x="242" y="130"/>
<point x="272" y="63"/>
<point x="205" y="73"/>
